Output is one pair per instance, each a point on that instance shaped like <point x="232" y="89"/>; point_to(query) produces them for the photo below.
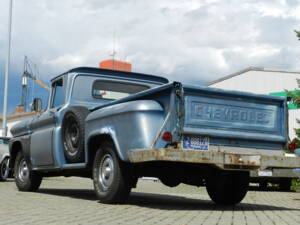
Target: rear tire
<point x="285" y="184"/>
<point x="111" y="177"/>
<point x="227" y="187"/>
<point x="73" y="133"/>
<point x="25" y="178"/>
<point x="4" y="169"/>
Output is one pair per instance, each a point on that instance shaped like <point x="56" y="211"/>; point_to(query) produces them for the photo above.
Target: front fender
<point x="19" y="144"/>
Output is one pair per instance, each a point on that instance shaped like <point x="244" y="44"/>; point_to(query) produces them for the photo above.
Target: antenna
<point x="114" y="50"/>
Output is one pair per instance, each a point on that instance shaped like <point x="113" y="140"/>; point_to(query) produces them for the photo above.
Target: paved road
<point x="72" y="201"/>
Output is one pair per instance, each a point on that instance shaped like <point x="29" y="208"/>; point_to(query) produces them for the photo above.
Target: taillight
<point x="167" y="136"/>
<point x="292" y="146"/>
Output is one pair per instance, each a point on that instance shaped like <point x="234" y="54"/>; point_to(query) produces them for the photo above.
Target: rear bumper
<point x="224" y="160"/>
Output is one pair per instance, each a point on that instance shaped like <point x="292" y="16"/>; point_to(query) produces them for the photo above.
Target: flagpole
<point x="7" y="64"/>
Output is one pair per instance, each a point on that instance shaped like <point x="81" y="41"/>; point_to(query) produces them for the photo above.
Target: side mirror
<point x="36" y="105"/>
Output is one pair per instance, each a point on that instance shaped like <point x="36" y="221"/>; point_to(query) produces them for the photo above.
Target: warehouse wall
<point x="265" y="82"/>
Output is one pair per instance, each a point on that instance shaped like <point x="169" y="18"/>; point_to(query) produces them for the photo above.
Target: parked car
<point x="4" y="158"/>
<point x="115" y="127"/>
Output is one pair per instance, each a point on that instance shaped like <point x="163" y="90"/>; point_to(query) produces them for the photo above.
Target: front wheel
<point x="227" y="187"/>
<point x="4" y="169"/>
<point x="25" y="178"/>
<point x="111" y="177"/>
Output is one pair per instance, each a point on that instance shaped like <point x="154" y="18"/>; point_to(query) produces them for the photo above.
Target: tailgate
<point x="235" y="118"/>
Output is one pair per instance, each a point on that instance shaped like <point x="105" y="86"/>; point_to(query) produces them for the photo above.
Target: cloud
<point x="187" y="40"/>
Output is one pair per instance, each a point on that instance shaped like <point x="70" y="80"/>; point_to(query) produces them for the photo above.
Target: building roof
<point x="19" y="115"/>
<point x="114" y="73"/>
<point x="250" y="69"/>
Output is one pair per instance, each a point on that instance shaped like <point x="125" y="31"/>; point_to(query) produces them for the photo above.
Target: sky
<point x="192" y="41"/>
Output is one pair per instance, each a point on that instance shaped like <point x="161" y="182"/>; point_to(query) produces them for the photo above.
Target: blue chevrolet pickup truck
<point x="115" y="127"/>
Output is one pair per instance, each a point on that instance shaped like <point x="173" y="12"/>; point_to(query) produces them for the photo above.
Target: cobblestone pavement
<point x="72" y="201"/>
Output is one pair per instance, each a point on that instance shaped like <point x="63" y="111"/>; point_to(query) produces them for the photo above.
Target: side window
<point x="58" y="95"/>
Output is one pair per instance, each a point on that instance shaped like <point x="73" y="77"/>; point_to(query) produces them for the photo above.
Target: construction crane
<point x="28" y="73"/>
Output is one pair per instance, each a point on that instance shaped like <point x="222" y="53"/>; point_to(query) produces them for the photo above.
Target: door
<point x="41" y="143"/>
<point x="42" y="128"/>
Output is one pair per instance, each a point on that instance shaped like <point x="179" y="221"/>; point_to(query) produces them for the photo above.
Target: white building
<point x="264" y="81"/>
<point x="14" y="119"/>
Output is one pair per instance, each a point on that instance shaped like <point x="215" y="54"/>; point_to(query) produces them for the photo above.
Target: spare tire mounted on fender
<point x="72" y="131"/>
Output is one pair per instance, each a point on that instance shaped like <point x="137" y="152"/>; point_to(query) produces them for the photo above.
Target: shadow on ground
<point x="163" y="201"/>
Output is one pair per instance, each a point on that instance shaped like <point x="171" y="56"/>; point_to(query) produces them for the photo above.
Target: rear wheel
<point x="4" y="169"/>
<point x="111" y="177"/>
<point x="227" y="187"/>
<point x="25" y="178"/>
<point x="285" y="184"/>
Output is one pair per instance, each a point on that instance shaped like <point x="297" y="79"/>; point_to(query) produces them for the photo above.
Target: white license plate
<point x="195" y="143"/>
<point x="265" y="173"/>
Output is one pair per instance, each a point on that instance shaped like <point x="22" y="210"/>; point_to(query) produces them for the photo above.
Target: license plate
<point x="265" y="173"/>
<point x="195" y="143"/>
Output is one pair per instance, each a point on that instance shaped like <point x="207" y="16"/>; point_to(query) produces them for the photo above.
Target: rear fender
<point x="98" y="136"/>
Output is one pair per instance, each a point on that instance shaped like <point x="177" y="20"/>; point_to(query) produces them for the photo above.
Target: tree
<point x="298" y="34"/>
<point x="295" y="99"/>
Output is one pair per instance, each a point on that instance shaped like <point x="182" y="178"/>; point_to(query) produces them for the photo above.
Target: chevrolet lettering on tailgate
<point x="232" y="114"/>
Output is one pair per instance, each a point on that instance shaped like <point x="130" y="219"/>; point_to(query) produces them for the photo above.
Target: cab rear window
<point x="115" y="90"/>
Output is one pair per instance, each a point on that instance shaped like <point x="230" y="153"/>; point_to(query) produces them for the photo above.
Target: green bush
<point x="295" y="185"/>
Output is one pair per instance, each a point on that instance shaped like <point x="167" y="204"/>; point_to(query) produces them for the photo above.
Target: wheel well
<point x="93" y="146"/>
<point x="15" y="148"/>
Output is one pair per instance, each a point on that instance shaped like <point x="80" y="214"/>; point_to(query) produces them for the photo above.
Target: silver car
<point x="4" y="158"/>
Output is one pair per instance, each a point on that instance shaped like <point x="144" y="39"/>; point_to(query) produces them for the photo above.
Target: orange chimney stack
<point x="113" y="64"/>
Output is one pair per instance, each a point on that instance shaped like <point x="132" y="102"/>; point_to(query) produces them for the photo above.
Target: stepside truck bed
<point x="232" y="130"/>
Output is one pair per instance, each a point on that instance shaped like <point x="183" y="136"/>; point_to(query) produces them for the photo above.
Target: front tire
<point x="25" y="178"/>
<point x="227" y="187"/>
<point x="4" y="169"/>
<point x="170" y="181"/>
<point x="111" y="177"/>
